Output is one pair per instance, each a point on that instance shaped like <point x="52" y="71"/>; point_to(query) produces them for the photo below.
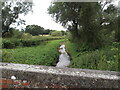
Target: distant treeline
<point x="33" y="30"/>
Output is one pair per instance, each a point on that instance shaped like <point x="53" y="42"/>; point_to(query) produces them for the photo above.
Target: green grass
<point x="82" y="56"/>
<point x="44" y="54"/>
<point x="100" y="59"/>
<point x="10" y="43"/>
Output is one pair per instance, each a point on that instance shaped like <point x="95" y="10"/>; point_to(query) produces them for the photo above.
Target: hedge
<point x="14" y="43"/>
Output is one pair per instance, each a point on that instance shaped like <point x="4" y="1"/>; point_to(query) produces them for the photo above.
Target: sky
<point x="41" y="17"/>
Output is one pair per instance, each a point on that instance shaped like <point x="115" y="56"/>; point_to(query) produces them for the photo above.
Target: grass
<point x="10" y="43"/>
<point x="44" y="54"/>
<point x="105" y="58"/>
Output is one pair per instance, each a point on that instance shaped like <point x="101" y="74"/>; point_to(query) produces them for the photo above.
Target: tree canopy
<point x="87" y="21"/>
<point x="34" y="29"/>
<point x="11" y="11"/>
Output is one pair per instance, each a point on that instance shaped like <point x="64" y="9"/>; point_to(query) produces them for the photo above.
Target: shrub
<point x="8" y="44"/>
<point x="101" y="59"/>
<point x="13" y="42"/>
<point x="17" y="34"/>
<point x="26" y="36"/>
<point x="56" y="33"/>
<point x="6" y="56"/>
<point x="69" y="36"/>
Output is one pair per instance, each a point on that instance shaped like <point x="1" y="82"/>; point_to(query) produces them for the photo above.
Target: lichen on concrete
<point x="62" y="76"/>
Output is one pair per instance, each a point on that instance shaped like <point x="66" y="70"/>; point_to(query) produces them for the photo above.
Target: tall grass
<point x="101" y="59"/>
<point x="44" y="54"/>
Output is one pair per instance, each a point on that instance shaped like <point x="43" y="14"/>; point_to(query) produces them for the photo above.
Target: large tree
<point x="117" y="33"/>
<point x="84" y="20"/>
<point x="11" y="11"/>
<point x="0" y="18"/>
<point x="77" y="17"/>
<point x="34" y="29"/>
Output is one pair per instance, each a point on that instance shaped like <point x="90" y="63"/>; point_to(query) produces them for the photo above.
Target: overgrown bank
<point x="106" y="58"/>
<point x="44" y="54"/>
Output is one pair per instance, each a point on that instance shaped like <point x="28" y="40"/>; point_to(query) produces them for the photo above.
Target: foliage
<point x="69" y="36"/>
<point x="56" y="33"/>
<point x="6" y="56"/>
<point x="44" y="54"/>
<point x="13" y="33"/>
<point x="100" y="59"/>
<point x="17" y="34"/>
<point x="26" y="36"/>
<point x="117" y="33"/>
<point x="87" y="22"/>
<point x="75" y="16"/>
<point x="63" y="33"/>
<point x="34" y="30"/>
<point x="10" y="43"/>
<point x="37" y="30"/>
<point x="46" y="31"/>
<point x="11" y="11"/>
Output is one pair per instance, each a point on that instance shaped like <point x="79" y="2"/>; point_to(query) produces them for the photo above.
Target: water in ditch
<point x="64" y="58"/>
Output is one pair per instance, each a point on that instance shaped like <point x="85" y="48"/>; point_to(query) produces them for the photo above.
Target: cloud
<point x="41" y="17"/>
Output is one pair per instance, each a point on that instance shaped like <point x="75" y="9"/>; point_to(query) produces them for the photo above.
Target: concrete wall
<point x="42" y="76"/>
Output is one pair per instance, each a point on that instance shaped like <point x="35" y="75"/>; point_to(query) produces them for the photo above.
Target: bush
<point x="13" y="42"/>
<point x="101" y="59"/>
<point x="8" y="44"/>
<point x="56" y="33"/>
<point x="17" y="34"/>
<point x="13" y="33"/>
<point x="29" y="43"/>
<point x="26" y="36"/>
<point x="6" y="56"/>
<point x="69" y="36"/>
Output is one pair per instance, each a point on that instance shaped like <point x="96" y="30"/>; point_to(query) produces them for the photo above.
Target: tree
<point x="84" y="20"/>
<point x="117" y="33"/>
<point x="11" y="11"/>
<point x="34" y="30"/>
<point x="63" y="33"/>
<point x="65" y="13"/>
<point x="78" y="18"/>
<point x="46" y="31"/>
<point x="110" y="23"/>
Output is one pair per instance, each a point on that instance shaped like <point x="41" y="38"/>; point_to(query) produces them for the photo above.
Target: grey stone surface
<point x="83" y="78"/>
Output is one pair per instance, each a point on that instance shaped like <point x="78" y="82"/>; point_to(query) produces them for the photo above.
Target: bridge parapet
<point x="65" y="77"/>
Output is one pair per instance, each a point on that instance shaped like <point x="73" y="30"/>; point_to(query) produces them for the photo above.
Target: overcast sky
<point x="41" y="17"/>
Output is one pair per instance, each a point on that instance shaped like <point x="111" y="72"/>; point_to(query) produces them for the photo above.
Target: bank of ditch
<point x="105" y="58"/>
<point x="44" y="54"/>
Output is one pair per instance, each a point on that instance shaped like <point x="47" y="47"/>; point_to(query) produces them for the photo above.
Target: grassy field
<point x="105" y="58"/>
<point x="101" y="59"/>
<point x="44" y="54"/>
